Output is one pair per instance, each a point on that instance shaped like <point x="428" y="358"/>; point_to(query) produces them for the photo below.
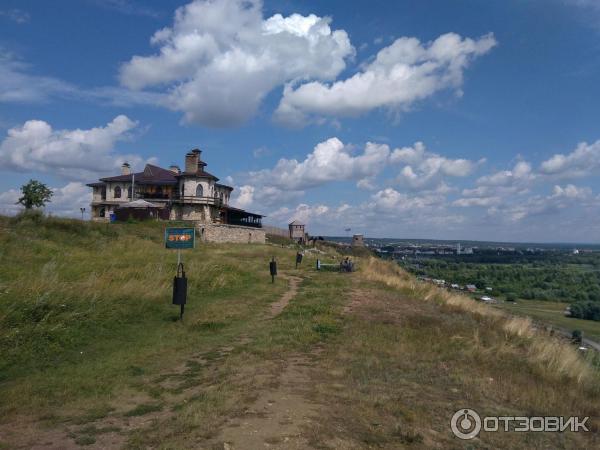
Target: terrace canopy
<point x="141" y="210"/>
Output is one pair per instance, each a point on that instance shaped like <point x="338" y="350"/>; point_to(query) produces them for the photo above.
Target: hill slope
<point x="92" y="353"/>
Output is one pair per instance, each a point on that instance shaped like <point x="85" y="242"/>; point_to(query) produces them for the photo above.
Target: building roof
<point x="224" y="186"/>
<point x="296" y="222"/>
<point x="151" y="175"/>
<point x="203" y="173"/>
<point x="242" y="211"/>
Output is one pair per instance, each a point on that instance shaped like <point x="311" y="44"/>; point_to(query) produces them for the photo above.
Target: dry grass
<point x="552" y="355"/>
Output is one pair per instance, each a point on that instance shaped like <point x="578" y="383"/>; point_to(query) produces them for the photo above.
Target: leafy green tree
<point x="35" y="194"/>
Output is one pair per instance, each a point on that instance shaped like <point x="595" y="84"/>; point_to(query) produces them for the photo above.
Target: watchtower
<point x="357" y="240"/>
<point x="297" y="232"/>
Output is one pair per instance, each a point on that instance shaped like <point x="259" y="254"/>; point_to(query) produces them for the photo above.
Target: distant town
<point x="400" y="248"/>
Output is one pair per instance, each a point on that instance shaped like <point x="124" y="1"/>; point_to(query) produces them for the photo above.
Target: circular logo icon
<point x="465" y="424"/>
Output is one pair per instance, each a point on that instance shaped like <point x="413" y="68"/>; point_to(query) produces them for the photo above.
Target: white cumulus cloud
<point x="330" y="160"/>
<point x="71" y="154"/>
<point x="220" y="58"/>
<point x="521" y="174"/>
<point x="400" y="75"/>
<point x="422" y="169"/>
<point x="571" y="191"/>
<point x="584" y="160"/>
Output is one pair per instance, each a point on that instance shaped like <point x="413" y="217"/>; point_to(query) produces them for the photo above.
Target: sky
<point x="448" y="119"/>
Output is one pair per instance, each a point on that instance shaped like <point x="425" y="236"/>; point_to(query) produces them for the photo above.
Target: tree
<point x="35" y="194"/>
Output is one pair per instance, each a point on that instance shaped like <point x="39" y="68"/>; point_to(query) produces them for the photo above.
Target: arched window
<point x="102" y="212"/>
<point x="117" y="193"/>
<point x="221" y="197"/>
<point x="199" y="191"/>
<point x="129" y="192"/>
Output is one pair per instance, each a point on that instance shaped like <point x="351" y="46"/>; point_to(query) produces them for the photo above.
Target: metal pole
<point x="178" y="257"/>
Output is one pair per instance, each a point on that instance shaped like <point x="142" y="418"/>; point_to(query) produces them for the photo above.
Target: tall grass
<point x="81" y="302"/>
<point x="552" y="356"/>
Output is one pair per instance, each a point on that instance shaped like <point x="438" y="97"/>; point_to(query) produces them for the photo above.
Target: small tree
<point x="35" y="194"/>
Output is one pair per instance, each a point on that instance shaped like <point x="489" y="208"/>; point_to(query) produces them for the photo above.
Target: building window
<point x="129" y="192"/>
<point x="102" y="212"/>
<point x="199" y="191"/>
<point x="117" y="193"/>
<point x="221" y="197"/>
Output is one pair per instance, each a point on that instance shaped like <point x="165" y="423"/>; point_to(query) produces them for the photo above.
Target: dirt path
<point x="278" y="306"/>
<point x="280" y="418"/>
<point x="287" y="410"/>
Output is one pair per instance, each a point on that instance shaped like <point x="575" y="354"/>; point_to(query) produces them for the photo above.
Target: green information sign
<point x="179" y="238"/>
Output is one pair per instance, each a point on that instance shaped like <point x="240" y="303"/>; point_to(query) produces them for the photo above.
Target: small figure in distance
<point x="346" y="265"/>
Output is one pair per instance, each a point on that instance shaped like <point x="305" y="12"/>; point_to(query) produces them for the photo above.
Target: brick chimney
<point x="125" y="169"/>
<point x="191" y="161"/>
<point x="175" y="169"/>
<point x="201" y="164"/>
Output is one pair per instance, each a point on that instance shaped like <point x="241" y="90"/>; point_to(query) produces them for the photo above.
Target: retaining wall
<point x="230" y="233"/>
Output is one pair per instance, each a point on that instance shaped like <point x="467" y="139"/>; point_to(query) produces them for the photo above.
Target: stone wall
<point x="230" y="233"/>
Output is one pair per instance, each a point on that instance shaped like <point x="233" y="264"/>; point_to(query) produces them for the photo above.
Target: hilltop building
<point x="358" y="240"/>
<point x="297" y="232"/>
<point x="193" y="195"/>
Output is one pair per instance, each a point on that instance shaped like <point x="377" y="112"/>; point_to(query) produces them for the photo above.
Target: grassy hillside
<point x="93" y="354"/>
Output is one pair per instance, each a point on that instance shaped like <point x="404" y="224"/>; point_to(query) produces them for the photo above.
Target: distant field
<point x="553" y="314"/>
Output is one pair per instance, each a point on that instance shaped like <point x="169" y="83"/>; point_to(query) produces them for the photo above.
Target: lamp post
<point x="82" y="211"/>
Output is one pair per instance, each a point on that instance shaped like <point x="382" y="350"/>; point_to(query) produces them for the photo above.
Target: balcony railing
<point x="152" y="196"/>
<point x="198" y="200"/>
<point x="149" y="196"/>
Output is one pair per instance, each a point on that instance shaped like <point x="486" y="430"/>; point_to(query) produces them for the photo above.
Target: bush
<point x="33" y="216"/>
<point x="586" y="310"/>
<point x="511" y="297"/>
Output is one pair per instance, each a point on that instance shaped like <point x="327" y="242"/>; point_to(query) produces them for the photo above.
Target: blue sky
<point x="430" y="119"/>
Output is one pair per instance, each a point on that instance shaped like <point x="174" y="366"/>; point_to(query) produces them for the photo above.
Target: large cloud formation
<point x="221" y="58"/>
<point x="70" y="154"/>
<point x="334" y="161"/>
<point x="400" y="75"/>
<point x="330" y="160"/>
